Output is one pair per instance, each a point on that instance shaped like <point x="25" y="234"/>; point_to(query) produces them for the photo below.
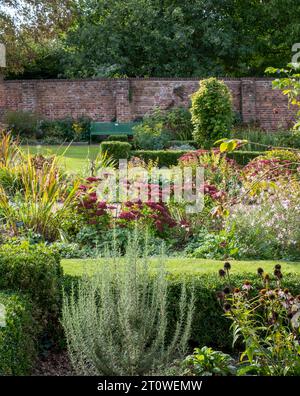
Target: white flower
<point x="247" y="286"/>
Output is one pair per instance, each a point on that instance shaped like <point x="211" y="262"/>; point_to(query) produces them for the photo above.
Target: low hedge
<point x="17" y="335"/>
<point x="117" y="150"/>
<point x="209" y="327"/>
<point x="117" y="138"/>
<point x="164" y="158"/>
<point x="168" y="158"/>
<point x="244" y="157"/>
<point x="36" y="271"/>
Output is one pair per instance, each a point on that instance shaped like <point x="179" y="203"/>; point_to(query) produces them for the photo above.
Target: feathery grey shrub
<point x="116" y="322"/>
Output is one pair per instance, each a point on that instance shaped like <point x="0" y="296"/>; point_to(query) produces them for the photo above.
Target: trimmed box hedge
<point x="17" y="336"/>
<point x="36" y="271"/>
<point x="164" y="158"/>
<point x="117" y="138"/>
<point x="117" y="150"/>
<point x="171" y="157"/>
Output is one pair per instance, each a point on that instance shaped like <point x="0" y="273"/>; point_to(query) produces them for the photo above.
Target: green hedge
<point x="117" y="150"/>
<point x="164" y="158"/>
<point x="117" y="138"/>
<point x="243" y="157"/>
<point x="168" y="158"/>
<point x="210" y="327"/>
<point x="17" y="335"/>
<point x="36" y="271"/>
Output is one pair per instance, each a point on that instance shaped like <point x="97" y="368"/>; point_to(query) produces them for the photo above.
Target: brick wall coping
<point x="138" y="79"/>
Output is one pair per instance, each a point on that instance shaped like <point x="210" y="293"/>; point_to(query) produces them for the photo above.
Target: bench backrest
<point x="112" y="128"/>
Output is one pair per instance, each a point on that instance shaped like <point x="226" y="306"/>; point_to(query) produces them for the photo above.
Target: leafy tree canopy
<point x="92" y="38"/>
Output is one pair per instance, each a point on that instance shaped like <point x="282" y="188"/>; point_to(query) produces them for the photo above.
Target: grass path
<point x="75" y="158"/>
<point x="186" y="265"/>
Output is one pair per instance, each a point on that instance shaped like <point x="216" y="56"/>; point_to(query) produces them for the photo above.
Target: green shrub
<point x="206" y="361"/>
<point x="22" y="123"/>
<point x="176" y="121"/>
<point x="212" y="113"/>
<point x="36" y="271"/>
<point x="116" y="150"/>
<point x="260" y="139"/>
<point x="66" y="129"/>
<point x="244" y="157"/>
<point x="165" y="158"/>
<point x="150" y="135"/>
<point x="17" y="335"/>
<point x="117" y="138"/>
<point x="162" y="125"/>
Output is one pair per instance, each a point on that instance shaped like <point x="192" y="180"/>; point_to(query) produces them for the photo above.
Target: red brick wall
<point x="125" y="100"/>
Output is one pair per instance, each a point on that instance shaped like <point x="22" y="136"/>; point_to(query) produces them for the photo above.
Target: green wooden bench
<point x="111" y="128"/>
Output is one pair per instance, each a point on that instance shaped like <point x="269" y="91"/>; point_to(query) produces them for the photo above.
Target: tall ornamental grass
<point x="35" y="195"/>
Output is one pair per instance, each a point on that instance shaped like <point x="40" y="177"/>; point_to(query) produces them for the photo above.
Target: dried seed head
<point x="266" y="277"/>
<point x="260" y="271"/>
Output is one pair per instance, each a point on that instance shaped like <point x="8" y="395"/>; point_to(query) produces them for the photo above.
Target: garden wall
<point x="129" y="99"/>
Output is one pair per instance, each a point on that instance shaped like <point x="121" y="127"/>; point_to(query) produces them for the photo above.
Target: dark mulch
<point x="54" y="364"/>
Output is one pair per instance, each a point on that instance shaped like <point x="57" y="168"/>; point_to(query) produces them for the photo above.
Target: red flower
<point x="101" y="205"/>
<point x="92" y="179"/>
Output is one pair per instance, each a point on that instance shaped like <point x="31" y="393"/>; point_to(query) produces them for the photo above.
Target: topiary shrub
<point x="117" y="138"/>
<point x="36" y="271"/>
<point x="212" y="112"/>
<point x="17" y="334"/>
<point x="116" y="150"/>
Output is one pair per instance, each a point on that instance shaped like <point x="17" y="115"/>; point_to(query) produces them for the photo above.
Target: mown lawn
<point x="77" y="267"/>
<point x="74" y="158"/>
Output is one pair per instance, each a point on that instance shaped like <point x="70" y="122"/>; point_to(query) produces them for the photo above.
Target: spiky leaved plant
<point x="116" y="323"/>
<point x="44" y="201"/>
